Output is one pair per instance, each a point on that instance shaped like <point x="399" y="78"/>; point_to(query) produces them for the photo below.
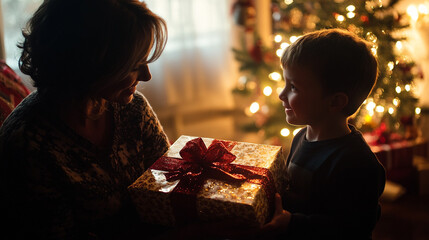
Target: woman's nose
<point x="144" y="73"/>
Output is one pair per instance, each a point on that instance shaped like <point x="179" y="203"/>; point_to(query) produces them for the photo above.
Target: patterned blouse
<point x="57" y="184"/>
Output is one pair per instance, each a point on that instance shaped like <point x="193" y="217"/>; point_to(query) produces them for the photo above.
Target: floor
<point x="406" y="218"/>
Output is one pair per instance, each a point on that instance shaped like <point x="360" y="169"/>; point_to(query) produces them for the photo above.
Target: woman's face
<point x="122" y="92"/>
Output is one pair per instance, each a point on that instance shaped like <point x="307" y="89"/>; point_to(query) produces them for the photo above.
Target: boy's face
<point x="302" y="97"/>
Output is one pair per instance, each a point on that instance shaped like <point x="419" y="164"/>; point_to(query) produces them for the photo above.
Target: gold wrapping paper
<point x="217" y="200"/>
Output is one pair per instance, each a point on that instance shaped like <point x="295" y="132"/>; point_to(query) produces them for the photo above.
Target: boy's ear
<point x="339" y="101"/>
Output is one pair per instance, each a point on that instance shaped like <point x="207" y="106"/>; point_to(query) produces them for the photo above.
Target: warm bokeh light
<point x="254" y="107"/>
<point x="278" y="38"/>
<point x="413" y="12"/>
<point x="398" y="45"/>
<point x="340" y="18"/>
<point x="267" y="91"/>
<point x="423" y="9"/>
<point x="396" y="102"/>
<point x="351" y="14"/>
<point x="408" y="87"/>
<point x="379" y="109"/>
<point x="350" y="8"/>
<point x="398" y="89"/>
<point x="293" y="39"/>
<point x="284" y="45"/>
<point x="391" y="65"/>
<point x="285" y="132"/>
<point x="418" y="110"/>
<point x="296" y="131"/>
<point x="374" y="51"/>
<point x="370" y="106"/>
<point x="275" y="76"/>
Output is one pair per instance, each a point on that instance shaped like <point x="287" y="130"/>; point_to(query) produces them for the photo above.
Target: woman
<point x="71" y="148"/>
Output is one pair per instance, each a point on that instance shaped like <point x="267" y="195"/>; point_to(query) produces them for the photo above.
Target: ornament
<point x="244" y="14"/>
<point x="256" y="52"/>
<point x="364" y="19"/>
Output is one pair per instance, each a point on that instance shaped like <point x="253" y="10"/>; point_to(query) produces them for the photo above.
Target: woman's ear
<point x="339" y="101"/>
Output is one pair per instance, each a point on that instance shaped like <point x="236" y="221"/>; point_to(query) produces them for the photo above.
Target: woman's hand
<point x="280" y="221"/>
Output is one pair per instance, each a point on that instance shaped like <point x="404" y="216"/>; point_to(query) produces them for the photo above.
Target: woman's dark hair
<point x="73" y="49"/>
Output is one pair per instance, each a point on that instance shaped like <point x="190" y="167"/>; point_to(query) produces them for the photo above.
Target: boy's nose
<point x="144" y="74"/>
<point x="282" y="94"/>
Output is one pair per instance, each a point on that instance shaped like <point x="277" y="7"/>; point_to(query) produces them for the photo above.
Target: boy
<point x="335" y="180"/>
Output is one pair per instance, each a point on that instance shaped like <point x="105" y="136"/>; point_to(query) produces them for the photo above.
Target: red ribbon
<point x="199" y="163"/>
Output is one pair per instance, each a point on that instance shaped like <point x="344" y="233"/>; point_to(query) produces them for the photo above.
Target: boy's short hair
<point x="342" y="61"/>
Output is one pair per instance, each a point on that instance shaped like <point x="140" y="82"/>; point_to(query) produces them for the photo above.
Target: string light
<point x="293" y="39"/>
<point x="423" y="9"/>
<point x="279" y="52"/>
<point x="398" y="45"/>
<point x="254" y="107"/>
<point x="398" y="89"/>
<point x="288" y="2"/>
<point x="278" y="38"/>
<point x="265" y="109"/>
<point x="350" y="8"/>
<point x="374" y="51"/>
<point x="396" y="102"/>
<point x="413" y="12"/>
<point x="296" y="131"/>
<point x="418" y="110"/>
<point x="267" y="91"/>
<point x="340" y="18"/>
<point x="391" y="65"/>
<point x="391" y="110"/>
<point x="285" y="132"/>
<point x="379" y="109"/>
<point x="407" y="87"/>
<point x="370" y="106"/>
<point x="351" y="14"/>
<point x="284" y="45"/>
<point x="368" y="118"/>
<point x="275" y="76"/>
<point x="371" y="37"/>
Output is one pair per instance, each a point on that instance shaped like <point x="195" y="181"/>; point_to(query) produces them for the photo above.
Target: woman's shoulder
<point x="139" y="105"/>
<point x="21" y="117"/>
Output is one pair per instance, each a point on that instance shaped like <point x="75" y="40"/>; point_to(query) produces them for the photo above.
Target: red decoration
<point x="256" y="52"/>
<point x="364" y="19"/>
<point x="12" y="90"/>
<point x="200" y="163"/>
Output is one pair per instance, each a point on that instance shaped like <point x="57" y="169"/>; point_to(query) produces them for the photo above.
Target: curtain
<point x="196" y="71"/>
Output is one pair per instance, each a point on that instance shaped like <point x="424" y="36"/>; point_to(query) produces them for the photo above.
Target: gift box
<point x="205" y="179"/>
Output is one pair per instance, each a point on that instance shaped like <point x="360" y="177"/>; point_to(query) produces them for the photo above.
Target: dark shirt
<point x="333" y="188"/>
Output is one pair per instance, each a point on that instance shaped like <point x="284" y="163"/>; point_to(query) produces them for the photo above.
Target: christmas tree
<point x="390" y="110"/>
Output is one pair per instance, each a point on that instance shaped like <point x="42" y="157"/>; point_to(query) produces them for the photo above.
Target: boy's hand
<point x="280" y="220"/>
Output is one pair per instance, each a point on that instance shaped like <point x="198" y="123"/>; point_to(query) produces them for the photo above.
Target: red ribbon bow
<point x="199" y="163"/>
<point x="213" y="162"/>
